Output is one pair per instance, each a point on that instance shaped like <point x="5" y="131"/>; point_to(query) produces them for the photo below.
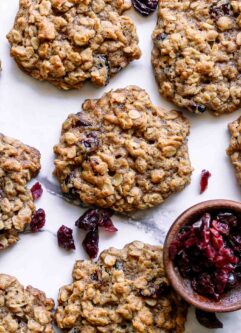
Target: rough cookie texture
<point x="197" y="56"/>
<point x="125" y="291"/>
<point x="234" y="149"/>
<point x="23" y="310"/>
<point x="123" y="153"/>
<point x="19" y="163"/>
<point x="68" y="42"/>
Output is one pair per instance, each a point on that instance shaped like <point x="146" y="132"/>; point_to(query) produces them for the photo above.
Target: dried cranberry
<point x="204" y="285"/>
<point x="208" y="319"/>
<point x="235" y="241"/>
<point x="38" y="220"/>
<point x="161" y="37"/>
<point x="222" y="228"/>
<point x="106" y="222"/>
<point x="204" y="180"/>
<point x="217" y="10"/>
<point x="89" y="220"/>
<point x="90" y="143"/>
<point x="145" y="7"/>
<point x="201" y="108"/>
<point x="65" y="238"/>
<point x="36" y="191"/>
<point x="96" y="217"/>
<point x="81" y="120"/>
<point x="232" y="281"/>
<point x="91" y="243"/>
<point x="197" y="108"/>
<point x="228" y="218"/>
<point x="183" y="263"/>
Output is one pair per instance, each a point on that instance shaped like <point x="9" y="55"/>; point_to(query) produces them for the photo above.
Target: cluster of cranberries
<point x="38" y="218"/>
<point x="208" y="252"/>
<point x="90" y="221"/>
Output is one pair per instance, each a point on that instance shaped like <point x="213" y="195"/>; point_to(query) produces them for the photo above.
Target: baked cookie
<point x="19" y="163"/>
<point x="125" y="291"/>
<point x="68" y="42"/>
<point x="196" y="54"/>
<point x="23" y="310"/>
<point x="122" y="152"/>
<point x="234" y="149"/>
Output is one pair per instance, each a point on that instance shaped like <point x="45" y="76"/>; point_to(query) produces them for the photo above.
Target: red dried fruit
<point x="90" y="143"/>
<point x="205" y="175"/>
<point x="93" y="218"/>
<point x="221" y="227"/>
<point x="36" y="191"/>
<point x="89" y="220"/>
<point x="91" y="243"/>
<point x="145" y="7"/>
<point x="38" y="220"/>
<point x="208" y="253"/>
<point x="208" y="319"/>
<point x="216" y="11"/>
<point x="65" y="238"/>
<point x="228" y="218"/>
<point x="204" y="285"/>
<point x="106" y="222"/>
<point x="232" y="281"/>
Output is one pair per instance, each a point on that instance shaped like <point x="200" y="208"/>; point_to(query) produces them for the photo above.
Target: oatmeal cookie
<point x="123" y="153"/>
<point x="19" y="163"/>
<point x="234" y="149"/>
<point x="125" y="291"/>
<point x="23" y="310"/>
<point x="197" y="55"/>
<point x="68" y="42"/>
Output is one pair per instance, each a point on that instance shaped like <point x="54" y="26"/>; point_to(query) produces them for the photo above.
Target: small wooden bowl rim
<point x="231" y="301"/>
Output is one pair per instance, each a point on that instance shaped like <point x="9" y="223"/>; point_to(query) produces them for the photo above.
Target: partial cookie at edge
<point x="234" y="149"/>
<point x="24" y="310"/>
<point x="196" y="54"/>
<point x="19" y="163"/>
<point x="70" y="42"/>
<point x="125" y="291"/>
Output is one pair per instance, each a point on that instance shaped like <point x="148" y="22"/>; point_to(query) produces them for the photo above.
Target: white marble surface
<point x="33" y="112"/>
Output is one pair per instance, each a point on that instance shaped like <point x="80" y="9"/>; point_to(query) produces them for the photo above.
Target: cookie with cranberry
<point x="196" y="54"/>
<point x="19" y="163"/>
<point x="24" y="310"/>
<point x="70" y="42"/>
<point x="234" y="149"/>
<point x="122" y="152"/>
<point x="124" y="291"/>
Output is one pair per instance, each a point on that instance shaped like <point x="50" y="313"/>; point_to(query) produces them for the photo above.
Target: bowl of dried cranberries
<point x="202" y="255"/>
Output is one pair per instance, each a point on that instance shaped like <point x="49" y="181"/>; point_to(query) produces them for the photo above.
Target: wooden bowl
<point x="231" y="300"/>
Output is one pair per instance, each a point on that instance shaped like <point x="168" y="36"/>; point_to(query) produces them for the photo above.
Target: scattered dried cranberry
<point x="89" y="220"/>
<point x="208" y="319"/>
<point x="36" y="191"/>
<point x="208" y="252"/>
<point x="38" y="220"/>
<point x="145" y="7"/>
<point x="105" y="221"/>
<point x="204" y="180"/>
<point x="65" y="238"/>
<point x="93" y="218"/>
<point x="216" y="11"/>
<point x="91" y="243"/>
